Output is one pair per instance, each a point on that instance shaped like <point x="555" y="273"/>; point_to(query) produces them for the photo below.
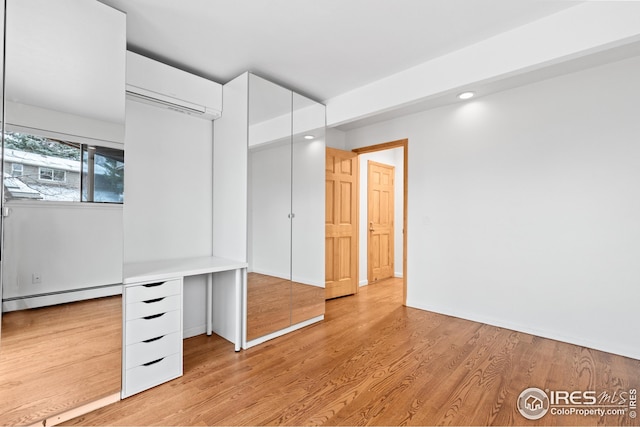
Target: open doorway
<point x="372" y="230"/>
<point x="346" y="232"/>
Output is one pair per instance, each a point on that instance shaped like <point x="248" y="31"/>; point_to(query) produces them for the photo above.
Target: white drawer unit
<point x="152" y="334"/>
<point x="149" y="291"/>
<point x="150" y="327"/>
<point x="137" y="310"/>
<point x="152" y="349"/>
<point x="151" y="374"/>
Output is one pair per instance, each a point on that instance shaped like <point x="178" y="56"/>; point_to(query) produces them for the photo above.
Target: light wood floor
<point x="274" y="303"/>
<point x="374" y="362"/>
<point x="57" y="358"/>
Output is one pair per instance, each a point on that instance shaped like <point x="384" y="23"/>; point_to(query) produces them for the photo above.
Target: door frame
<point x="404" y="143"/>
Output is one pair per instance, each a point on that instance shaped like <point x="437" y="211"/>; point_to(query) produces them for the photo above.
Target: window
<point x="50" y="169"/>
<point x="102" y="174"/>
<point x="17" y="169"/>
<point x="48" y="174"/>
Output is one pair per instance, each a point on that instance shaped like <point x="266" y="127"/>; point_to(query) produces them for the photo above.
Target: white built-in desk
<point x="152" y="316"/>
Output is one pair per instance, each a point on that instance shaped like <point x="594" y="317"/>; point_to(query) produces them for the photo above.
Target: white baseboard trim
<point x="397" y="275"/>
<point x="501" y="323"/>
<point x="36" y="301"/>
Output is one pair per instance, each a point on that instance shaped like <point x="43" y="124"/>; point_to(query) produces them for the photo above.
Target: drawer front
<point x="148" y="351"/>
<point x="150" y="291"/>
<point x="150" y="307"/>
<point x="153" y="326"/>
<point x="143" y="377"/>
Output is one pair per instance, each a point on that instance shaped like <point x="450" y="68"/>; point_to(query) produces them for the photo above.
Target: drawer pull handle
<point x="154" y="362"/>
<point x="154" y="316"/>
<point x="151" y="301"/>
<point x="152" y="285"/>
<point x="153" y="339"/>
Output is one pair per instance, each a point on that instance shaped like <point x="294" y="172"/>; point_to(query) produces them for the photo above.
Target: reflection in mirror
<point x="285" y="284"/>
<point x="40" y="168"/>
<point x="269" y="205"/>
<point x="2" y="7"/>
<point x="58" y="249"/>
<point x="61" y="259"/>
<point x="65" y="65"/>
<point x="308" y="200"/>
<point x="61" y="275"/>
<point x="59" y="357"/>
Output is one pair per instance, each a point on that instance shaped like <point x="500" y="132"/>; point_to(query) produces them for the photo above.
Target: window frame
<point x="102" y="174"/>
<point x="14" y="169"/>
<point x="53" y="174"/>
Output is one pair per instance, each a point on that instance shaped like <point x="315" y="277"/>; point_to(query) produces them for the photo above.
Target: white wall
<point x="393" y="157"/>
<point x="168" y="195"/>
<point x="336" y="138"/>
<point x="168" y="184"/>
<point x="524" y="208"/>
<point x="71" y="246"/>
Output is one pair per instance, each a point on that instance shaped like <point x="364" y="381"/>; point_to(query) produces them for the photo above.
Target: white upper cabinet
<point x="65" y="70"/>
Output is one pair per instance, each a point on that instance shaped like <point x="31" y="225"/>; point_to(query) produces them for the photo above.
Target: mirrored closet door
<point x="307" y="204"/>
<point x="2" y="8"/>
<point x="269" y="208"/>
<point x="63" y="152"/>
<point x="285" y="283"/>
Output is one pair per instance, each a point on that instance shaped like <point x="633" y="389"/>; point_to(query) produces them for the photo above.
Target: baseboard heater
<point x="60" y="297"/>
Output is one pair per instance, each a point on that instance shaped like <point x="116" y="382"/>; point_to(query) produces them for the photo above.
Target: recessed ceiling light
<point x="466" y="95"/>
<point x="309" y="137"/>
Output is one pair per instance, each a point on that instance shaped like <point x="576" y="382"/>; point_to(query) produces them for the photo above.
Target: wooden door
<point x="341" y="223"/>
<point x="380" y="221"/>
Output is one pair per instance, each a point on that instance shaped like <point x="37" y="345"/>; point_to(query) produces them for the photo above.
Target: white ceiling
<point x="318" y="48"/>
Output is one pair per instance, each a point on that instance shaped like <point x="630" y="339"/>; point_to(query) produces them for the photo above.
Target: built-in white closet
<point x="276" y="139"/>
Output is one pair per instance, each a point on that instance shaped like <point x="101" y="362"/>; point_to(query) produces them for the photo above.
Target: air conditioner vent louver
<point x="158" y="84"/>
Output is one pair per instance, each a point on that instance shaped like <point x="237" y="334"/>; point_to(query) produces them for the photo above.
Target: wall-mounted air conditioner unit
<point x="155" y="83"/>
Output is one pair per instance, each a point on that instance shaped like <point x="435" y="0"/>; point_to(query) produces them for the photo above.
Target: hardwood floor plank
<point x="374" y="362"/>
<point x="56" y="358"/>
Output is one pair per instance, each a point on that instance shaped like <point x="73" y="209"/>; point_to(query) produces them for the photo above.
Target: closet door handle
<point x="371" y="226"/>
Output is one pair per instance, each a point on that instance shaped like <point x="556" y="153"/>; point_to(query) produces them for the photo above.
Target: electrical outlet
<point x="36" y="278"/>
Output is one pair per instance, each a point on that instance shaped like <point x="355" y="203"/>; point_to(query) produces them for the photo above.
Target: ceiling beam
<point x="578" y="32"/>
